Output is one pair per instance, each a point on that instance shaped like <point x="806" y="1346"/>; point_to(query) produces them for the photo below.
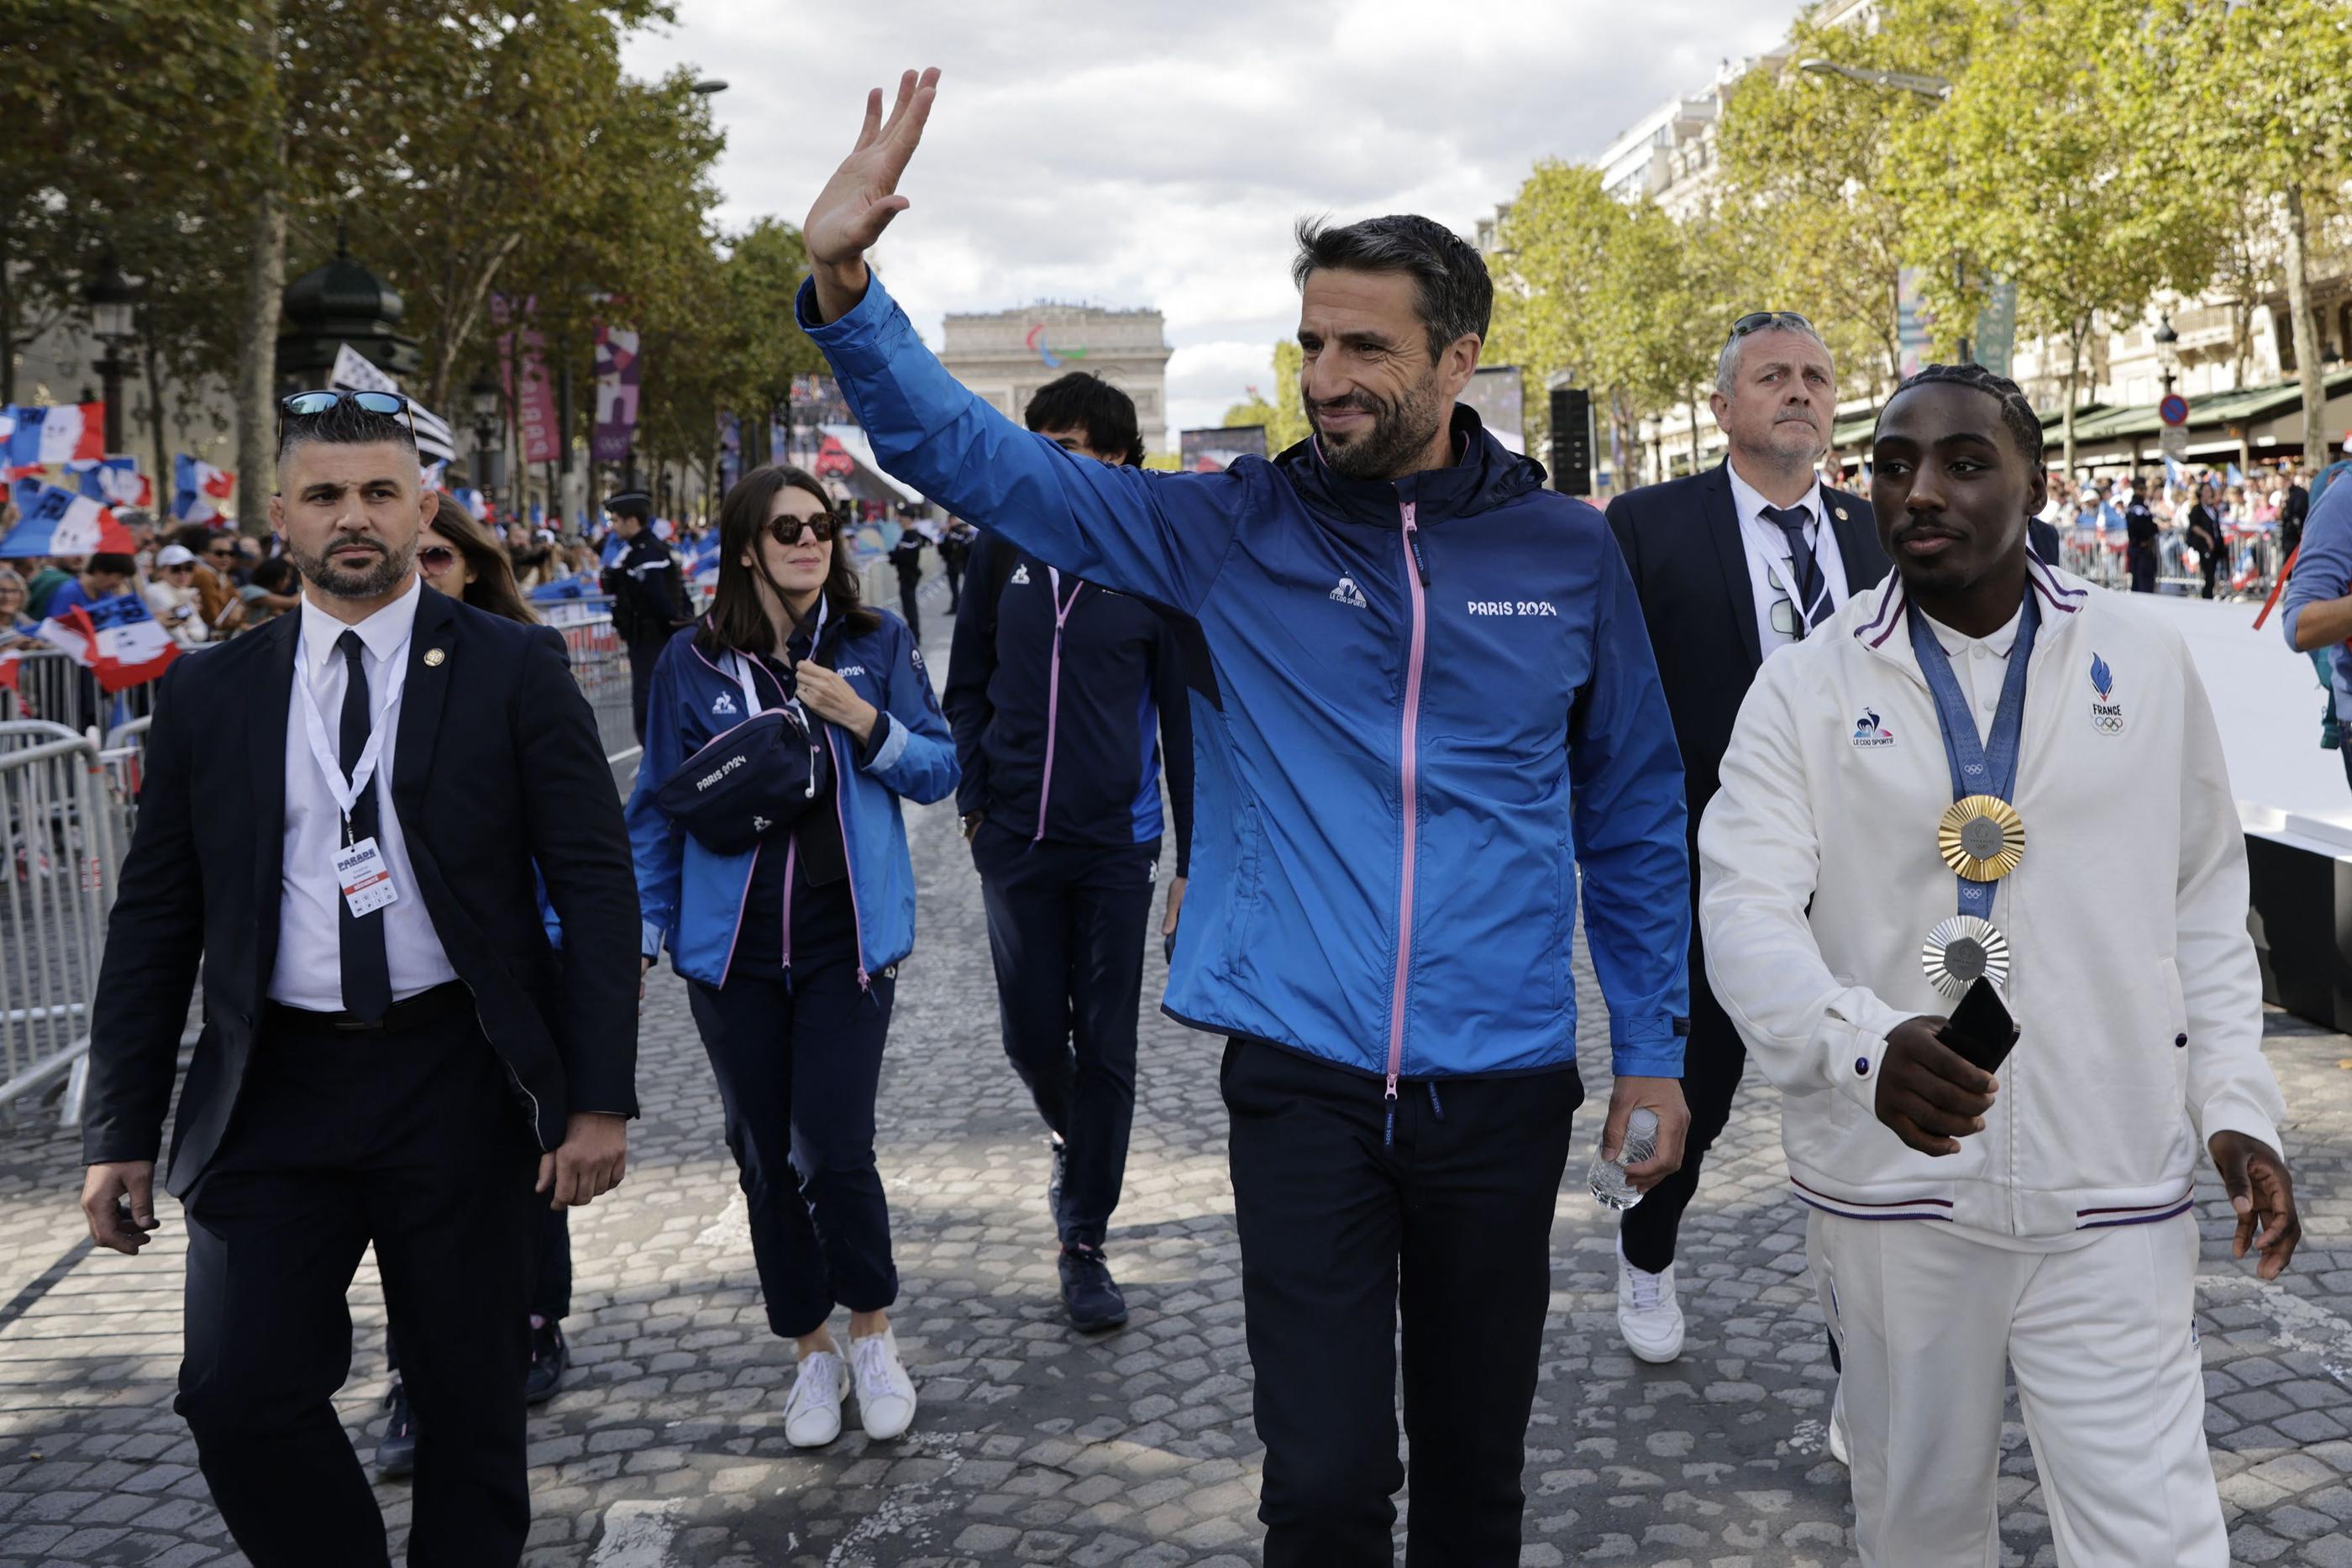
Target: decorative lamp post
<point x="113" y="301"/>
<point x="483" y="396"/>
<point x="2167" y="350"/>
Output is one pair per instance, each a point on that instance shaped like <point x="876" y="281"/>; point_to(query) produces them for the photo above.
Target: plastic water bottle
<point x="1610" y="1189"/>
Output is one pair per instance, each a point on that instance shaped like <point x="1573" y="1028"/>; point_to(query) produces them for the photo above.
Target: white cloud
<point x="1156" y="153"/>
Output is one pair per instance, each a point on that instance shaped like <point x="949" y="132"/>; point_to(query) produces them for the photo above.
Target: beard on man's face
<point x="366" y="582"/>
<point x="1400" y="431"/>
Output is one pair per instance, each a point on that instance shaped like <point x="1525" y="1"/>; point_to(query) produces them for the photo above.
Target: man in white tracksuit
<point x="2090" y="864"/>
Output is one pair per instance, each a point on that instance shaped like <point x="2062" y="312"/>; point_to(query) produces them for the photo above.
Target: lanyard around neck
<point x="1978" y="765"/>
<point x="347" y="791"/>
<point x="740" y="667"/>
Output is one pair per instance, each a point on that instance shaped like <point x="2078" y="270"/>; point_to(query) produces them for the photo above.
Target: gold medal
<point x="1961" y="949"/>
<point x="1982" y="838"/>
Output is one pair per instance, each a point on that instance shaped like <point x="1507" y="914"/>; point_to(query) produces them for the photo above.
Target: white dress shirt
<point x="1772" y="574"/>
<point x="1981" y="665"/>
<point x="310" y="970"/>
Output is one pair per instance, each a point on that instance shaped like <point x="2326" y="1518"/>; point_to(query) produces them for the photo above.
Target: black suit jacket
<point x="496" y="768"/>
<point x="1681" y="542"/>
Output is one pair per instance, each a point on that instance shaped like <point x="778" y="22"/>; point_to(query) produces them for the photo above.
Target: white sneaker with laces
<point x="812" y="1412"/>
<point x="885" y="1394"/>
<point x="1649" y="1319"/>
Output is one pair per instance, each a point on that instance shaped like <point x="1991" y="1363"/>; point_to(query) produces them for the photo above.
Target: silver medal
<point x="1961" y="949"/>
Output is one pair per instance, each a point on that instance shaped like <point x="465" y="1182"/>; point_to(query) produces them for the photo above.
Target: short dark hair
<point x="344" y="424"/>
<point x="1081" y="401"/>
<point x="2017" y="415"/>
<point x="276" y="575"/>
<point x="111" y="564"/>
<point x="1456" y="298"/>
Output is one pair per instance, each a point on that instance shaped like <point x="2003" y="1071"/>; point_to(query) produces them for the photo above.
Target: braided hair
<point x="2017" y="414"/>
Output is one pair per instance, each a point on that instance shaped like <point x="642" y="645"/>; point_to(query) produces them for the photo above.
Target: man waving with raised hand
<point x="1425" y="677"/>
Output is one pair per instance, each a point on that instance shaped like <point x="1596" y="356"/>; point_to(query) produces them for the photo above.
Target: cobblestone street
<point x="665" y="1446"/>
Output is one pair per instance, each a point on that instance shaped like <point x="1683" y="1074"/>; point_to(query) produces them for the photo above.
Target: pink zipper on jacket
<point x="1054" y="692"/>
<point x="1416" y="578"/>
<point x="792" y="863"/>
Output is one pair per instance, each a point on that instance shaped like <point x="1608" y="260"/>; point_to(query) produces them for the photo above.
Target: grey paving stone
<point x="1034" y="1445"/>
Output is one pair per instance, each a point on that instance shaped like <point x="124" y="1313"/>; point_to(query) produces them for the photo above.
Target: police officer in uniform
<point x="648" y="590"/>
<point x="2140" y="532"/>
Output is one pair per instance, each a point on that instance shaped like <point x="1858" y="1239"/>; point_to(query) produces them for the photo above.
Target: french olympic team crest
<point x="2107" y="712"/>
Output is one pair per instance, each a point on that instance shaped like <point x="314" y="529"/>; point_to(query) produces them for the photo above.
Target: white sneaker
<point x="813" y="1413"/>
<point x="1840" y="1445"/>
<point x="1648" y="1317"/>
<point x="885" y="1394"/>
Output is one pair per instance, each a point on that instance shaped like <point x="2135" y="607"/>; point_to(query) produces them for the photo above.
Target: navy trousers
<point x="799" y="1066"/>
<point x="1067" y="924"/>
<point x="1343" y="1232"/>
<point x="409" y="1139"/>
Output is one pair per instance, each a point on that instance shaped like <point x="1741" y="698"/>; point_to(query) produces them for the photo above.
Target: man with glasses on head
<point x="1731" y="566"/>
<point x="393" y="1051"/>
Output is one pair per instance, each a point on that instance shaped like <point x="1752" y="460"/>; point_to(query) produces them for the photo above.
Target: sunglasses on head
<point x="1759" y="320"/>
<point x="787" y="530"/>
<point x="310" y="404"/>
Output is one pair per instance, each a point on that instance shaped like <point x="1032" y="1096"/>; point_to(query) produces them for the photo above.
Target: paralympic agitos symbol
<point x="1036" y="342"/>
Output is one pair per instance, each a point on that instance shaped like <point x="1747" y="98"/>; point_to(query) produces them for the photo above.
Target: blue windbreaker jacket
<point x="1434" y="697"/>
<point x="691" y="899"/>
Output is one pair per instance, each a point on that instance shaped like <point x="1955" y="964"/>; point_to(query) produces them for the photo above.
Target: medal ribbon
<point x="1979" y="767"/>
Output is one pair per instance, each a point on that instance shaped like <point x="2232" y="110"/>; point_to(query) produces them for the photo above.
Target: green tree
<point x="1285" y="417"/>
<point x="2267" y="114"/>
<point x="2041" y="163"/>
<point x="1555" y="244"/>
<point x="1806" y="162"/>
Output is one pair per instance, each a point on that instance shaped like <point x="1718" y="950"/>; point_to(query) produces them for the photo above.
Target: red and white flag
<point x="115" y="639"/>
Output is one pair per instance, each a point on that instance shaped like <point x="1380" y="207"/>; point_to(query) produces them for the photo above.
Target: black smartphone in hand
<point x="1980" y="1029"/>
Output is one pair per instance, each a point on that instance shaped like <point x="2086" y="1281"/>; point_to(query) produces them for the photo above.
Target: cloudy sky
<point x="1153" y="153"/>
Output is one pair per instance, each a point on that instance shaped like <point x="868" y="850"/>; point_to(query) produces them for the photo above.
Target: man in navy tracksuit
<point x="1434" y="703"/>
<point x="1065" y="697"/>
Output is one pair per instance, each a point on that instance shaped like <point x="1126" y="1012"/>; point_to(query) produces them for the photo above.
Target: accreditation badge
<point x="1982" y="838"/>
<point x="1960" y="949"/>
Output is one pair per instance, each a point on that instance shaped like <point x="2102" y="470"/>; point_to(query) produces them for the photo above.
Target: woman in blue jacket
<point x="789" y="949"/>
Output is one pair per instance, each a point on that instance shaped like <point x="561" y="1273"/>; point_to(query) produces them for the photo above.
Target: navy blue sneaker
<point x="1089" y="1294"/>
<point x="550" y="1359"/>
<point x="395" y="1451"/>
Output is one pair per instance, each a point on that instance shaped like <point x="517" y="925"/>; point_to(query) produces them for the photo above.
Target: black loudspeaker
<point x="1571" y="441"/>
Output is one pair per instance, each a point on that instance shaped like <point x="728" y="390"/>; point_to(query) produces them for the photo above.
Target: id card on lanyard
<point x="361" y="872"/>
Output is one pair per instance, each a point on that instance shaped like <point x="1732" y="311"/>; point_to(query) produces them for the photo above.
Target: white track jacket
<point x="2131" y="971"/>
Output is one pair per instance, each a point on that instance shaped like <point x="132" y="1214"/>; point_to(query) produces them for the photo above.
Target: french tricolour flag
<point x="199" y="488"/>
<point x="114" y="481"/>
<point x="116" y="639"/>
<point x="55" y="433"/>
<point x="58" y="522"/>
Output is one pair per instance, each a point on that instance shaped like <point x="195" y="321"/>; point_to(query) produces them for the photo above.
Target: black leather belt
<point x="449" y="998"/>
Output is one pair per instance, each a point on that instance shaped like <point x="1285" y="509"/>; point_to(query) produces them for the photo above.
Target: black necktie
<point x="367" y="972"/>
<point x="1813" y="591"/>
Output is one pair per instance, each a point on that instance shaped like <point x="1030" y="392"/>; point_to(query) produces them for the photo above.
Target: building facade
<point x="1006" y="355"/>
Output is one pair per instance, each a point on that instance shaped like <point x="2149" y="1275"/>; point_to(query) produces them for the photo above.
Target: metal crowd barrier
<point x="59" y="847"/>
<point x="50" y="686"/>
<point x="600" y="663"/>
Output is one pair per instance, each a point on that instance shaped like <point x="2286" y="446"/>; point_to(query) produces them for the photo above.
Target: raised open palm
<point x="858" y="203"/>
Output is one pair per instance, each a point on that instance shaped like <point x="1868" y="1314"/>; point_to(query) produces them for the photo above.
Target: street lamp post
<point x="2167" y="350"/>
<point x="484" y="397"/>
<point x="113" y="301"/>
<point x="1936" y="87"/>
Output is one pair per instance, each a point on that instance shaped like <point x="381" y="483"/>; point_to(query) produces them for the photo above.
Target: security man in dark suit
<point x="2140" y="534"/>
<point x="1730" y="564"/>
<point x="649" y="599"/>
<point x="393" y="1051"/>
